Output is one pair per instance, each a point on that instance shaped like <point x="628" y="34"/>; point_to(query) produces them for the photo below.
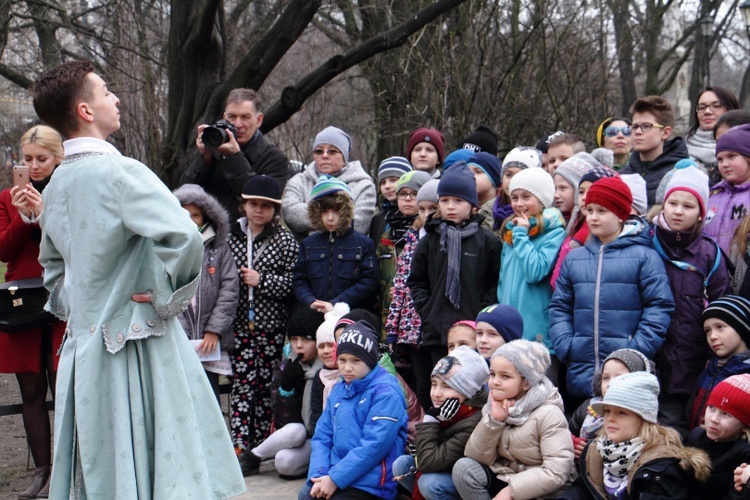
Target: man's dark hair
<point x="657" y="106"/>
<point x="57" y="93"/>
<point x="239" y="95"/>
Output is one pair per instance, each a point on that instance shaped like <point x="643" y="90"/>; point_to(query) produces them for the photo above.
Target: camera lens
<point x="213" y="137"/>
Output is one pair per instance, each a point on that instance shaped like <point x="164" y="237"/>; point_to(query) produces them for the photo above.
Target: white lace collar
<point x="88" y="145"/>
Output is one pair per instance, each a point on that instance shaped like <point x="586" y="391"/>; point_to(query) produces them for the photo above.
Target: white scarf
<point x="618" y="459"/>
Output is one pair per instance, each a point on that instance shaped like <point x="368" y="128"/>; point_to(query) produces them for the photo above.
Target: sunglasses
<point x="613" y="131"/>
<point x="327" y="152"/>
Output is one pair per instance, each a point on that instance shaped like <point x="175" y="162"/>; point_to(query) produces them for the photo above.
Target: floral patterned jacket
<point x="404" y="324"/>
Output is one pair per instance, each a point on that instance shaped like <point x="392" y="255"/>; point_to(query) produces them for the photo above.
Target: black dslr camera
<point x="216" y="134"/>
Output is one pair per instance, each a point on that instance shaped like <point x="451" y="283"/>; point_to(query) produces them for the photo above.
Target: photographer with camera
<point x="233" y="150"/>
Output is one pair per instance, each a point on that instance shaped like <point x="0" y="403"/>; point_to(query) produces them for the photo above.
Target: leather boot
<point x="44" y="492"/>
<point x="249" y="463"/>
<point x="41" y="476"/>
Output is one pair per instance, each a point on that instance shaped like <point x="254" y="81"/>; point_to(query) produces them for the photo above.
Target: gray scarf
<point x="450" y="243"/>
<point x="702" y="147"/>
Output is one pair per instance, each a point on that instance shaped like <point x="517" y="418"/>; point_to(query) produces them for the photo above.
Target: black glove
<point x="446" y="411"/>
<point x="292" y="374"/>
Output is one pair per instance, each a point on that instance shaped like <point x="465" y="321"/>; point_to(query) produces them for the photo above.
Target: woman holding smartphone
<point x="31" y="354"/>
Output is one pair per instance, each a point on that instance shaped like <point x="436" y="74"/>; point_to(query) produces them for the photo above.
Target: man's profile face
<point x="104" y="105"/>
<point x="243" y="116"/>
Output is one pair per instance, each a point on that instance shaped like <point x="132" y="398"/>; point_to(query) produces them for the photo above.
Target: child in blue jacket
<point x="336" y="263"/>
<point x="613" y="293"/>
<point x="363" y="427"/>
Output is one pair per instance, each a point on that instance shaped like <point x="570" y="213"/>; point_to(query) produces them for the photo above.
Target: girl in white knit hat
<point x="635" y="457"/>
<point x="532" y="237"/>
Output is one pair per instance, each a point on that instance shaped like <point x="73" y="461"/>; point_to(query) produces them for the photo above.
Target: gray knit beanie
<point x="531" y="359"/>
<point x="335" y="137"/>
<point x="428" y="192"/>
<point x="636" y="361"/>
<point x="464" y="370"/>
<point x="636" y="391"/>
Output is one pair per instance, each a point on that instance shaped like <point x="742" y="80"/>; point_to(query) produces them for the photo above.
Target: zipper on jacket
<point x="596" y="306"/>
<point x="383" y="471"/>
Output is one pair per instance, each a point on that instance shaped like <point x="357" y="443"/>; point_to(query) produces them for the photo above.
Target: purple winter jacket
<point x="685" y="350"/>
<point x="728" y="204"/>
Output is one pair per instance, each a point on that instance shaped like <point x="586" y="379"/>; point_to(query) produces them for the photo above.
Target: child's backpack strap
<point x="690" y="267"/>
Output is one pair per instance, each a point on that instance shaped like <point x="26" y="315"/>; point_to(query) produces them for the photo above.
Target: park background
<point x="375" y="68"/>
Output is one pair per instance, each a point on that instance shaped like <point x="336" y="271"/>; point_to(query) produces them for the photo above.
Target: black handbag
<point x="22" y="305"/>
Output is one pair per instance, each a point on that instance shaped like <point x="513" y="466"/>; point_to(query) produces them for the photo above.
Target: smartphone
<point x="20" y="175"/>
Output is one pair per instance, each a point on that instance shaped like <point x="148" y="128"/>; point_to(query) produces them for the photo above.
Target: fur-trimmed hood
<point x="212" y="210"/>
<point x="346" y="214"/>
<point x="693" y="461"/>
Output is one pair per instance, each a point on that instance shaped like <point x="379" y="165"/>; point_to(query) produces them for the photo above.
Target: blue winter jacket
<point x="336" y="269"/>
<point x="525" y="268"/>
<point x="609" y="297"/>
<point x="360" y="433"/>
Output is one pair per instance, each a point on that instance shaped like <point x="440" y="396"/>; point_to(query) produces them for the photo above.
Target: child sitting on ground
<point x="462" y="333"/>
<point x="291" y="392"/>
<point x="497" y="325"/>
<point x="636" y="458"/>
<point x="329" y="373"/>
<point x="457" y="395"/>
<point x="521" y="447"/>
<point x="725" y="434"/>
<point x="363" y="427"/>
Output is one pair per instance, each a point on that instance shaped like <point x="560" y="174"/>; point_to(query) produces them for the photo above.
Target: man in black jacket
<point x="224" y="171"/>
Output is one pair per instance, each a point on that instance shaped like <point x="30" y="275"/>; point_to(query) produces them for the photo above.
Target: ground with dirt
<point x="16" y="466"/>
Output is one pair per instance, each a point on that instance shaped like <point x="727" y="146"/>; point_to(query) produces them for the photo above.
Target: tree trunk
<point x="624" y="46"/>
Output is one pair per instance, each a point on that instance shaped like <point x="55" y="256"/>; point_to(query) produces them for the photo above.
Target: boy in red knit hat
<point x="724" y="435"/>
<point x="622" y="296"/>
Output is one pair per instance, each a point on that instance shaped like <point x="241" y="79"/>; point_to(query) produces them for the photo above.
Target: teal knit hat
<point x="327" y="184"/>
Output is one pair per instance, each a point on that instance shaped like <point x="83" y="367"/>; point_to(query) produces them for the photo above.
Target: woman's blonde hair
<point x="46" y="137"/>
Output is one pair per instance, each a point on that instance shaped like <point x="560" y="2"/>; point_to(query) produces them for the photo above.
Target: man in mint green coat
<point x="135" y="417"/>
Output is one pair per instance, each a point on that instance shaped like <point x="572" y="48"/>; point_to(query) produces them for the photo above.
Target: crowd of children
<point x="540" y="326"/>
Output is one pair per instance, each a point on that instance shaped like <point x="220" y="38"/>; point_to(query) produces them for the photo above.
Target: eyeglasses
<point x="613" y="131"/>
<point x="646" y="127"/>
<point x="407" y="196"/>
<point x="715" y="106"/>
<point x="327" y="152"/>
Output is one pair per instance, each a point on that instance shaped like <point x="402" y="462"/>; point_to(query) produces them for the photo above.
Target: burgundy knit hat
<point x="431" y="135"/>
<point x="613" y="194"/>
<point x="732" y="395"/>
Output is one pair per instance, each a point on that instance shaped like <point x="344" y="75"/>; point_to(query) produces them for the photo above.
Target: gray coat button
<point x="120" y="337"/>
<point x="136" y="327"/>
<point x="150" y="323"/>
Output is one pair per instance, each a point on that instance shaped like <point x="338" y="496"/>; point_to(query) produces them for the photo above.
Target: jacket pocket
<point x="348" y="262"/>
<point x="316" y="258"/>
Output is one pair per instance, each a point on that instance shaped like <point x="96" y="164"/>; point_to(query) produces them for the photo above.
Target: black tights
<point x="33" y="396"/>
